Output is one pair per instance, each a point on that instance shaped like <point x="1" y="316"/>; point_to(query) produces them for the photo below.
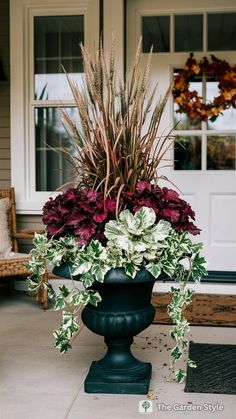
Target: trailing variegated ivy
<point x="132" y="241"/>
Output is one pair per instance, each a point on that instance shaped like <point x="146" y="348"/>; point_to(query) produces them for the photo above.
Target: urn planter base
<point x="119" y="372"/>
<point x="95" y="384"/>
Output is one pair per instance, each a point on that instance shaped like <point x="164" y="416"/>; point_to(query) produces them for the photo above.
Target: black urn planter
<point x="125" y="310"/>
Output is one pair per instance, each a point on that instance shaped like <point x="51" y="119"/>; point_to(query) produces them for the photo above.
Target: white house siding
<point x="5" y="164"/>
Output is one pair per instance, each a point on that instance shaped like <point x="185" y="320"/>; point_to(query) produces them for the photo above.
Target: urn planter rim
<point x="113" y="276"/>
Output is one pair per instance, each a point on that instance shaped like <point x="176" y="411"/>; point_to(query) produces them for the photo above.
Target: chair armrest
<point x="27" y="234"/>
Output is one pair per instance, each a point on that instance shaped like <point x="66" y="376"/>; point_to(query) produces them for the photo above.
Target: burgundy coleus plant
<point x="83" y="212"/>
<point x="165" y="202"/>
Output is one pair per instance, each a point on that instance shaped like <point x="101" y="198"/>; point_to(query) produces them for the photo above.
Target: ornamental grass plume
<point x="112" y="150"/>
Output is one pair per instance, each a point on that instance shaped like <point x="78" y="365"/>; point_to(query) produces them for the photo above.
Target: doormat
<point x="216" y="369"/>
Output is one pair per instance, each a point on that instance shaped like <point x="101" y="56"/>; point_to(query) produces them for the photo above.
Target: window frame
<point x="183" y="12"/>
<point x="22" y="12"/>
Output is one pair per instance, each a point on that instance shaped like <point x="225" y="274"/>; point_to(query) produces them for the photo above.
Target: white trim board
<point x="222" y="289"/>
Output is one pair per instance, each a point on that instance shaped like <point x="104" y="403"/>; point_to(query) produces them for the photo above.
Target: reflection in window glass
<point x="226" y="120"/>
<point x="52" y="167"/>
<point x="56" y="44"/>
<point x="221" y="31"/>
<point x="221" y="153"/>
<point x="187" y="153"/>
<point x="156" y="33"/>
<point x="188" y="33"/>
<point x="184" y="122"/>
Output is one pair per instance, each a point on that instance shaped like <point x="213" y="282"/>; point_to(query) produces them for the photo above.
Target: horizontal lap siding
<point x="5" y="163"/>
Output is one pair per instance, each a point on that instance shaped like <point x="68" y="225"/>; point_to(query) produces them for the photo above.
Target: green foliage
<point x="91" y="263"/>
<point x="179" y="375"/>
<point x="133" y="241"/>
<point x="67" y="329"/>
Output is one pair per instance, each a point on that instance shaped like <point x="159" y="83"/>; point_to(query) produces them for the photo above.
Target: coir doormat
<point x="216" y="369"/>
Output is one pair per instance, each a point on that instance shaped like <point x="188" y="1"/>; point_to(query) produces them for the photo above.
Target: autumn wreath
<point x="190" y="102"/>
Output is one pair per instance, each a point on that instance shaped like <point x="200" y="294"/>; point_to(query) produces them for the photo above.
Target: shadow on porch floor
<point x="37" y="382"/>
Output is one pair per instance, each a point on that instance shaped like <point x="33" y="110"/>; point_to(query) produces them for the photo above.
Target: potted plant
<point x="116" y="230"/>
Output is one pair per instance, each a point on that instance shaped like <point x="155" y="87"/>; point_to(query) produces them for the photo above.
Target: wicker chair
<point x="13" y="266"/>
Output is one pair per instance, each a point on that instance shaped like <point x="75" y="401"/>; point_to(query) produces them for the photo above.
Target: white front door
<point x="204" y="170"/>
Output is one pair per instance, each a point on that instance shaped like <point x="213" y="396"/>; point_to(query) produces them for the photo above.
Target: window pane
<point x="156" y="33"/>
<point x="56" y="43"/>
<point x="221" y="31"/>
<point x="52" y="167"/>
<point x="184" y="122"/>
<point x="188" y="33"/>
<point x="187" y="153"/>
<point x="221" y="153"/>
<point x="227" y="119"/>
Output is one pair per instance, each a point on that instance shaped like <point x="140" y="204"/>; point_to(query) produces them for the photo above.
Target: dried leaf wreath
<point x="190" y="102"/>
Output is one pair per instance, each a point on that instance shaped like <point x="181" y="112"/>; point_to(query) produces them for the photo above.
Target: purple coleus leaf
<point x="100" y="217"/>
<point x="143" y="185"/>
<point x="54" y="231"/>
<point x="171" y="215"/>
<point x="84" y="233"/>
<point x="170" y="195"/>
<point x="92" y="196"/>
<point x="75" y="218"/>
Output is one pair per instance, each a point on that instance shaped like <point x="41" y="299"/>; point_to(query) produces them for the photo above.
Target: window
<point x="51" y="32"/>
<point x="53" y="169"/>
<point x="205" y="145"/>
<point x="221" y="31"/>
<point x="156" y="33"/>
<point x="56" y="46"/>
<point x="189" y="32"/>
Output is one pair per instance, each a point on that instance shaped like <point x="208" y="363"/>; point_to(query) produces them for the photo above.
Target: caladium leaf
<point x="145" y="217"/>
<point x="140" y="246"/>
<point x="127" y="219"/>
<point x="114" y="229"/>
<point x="161" y="230"/>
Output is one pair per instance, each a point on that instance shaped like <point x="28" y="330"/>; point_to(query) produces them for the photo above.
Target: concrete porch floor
<point x="37" y="382"/>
